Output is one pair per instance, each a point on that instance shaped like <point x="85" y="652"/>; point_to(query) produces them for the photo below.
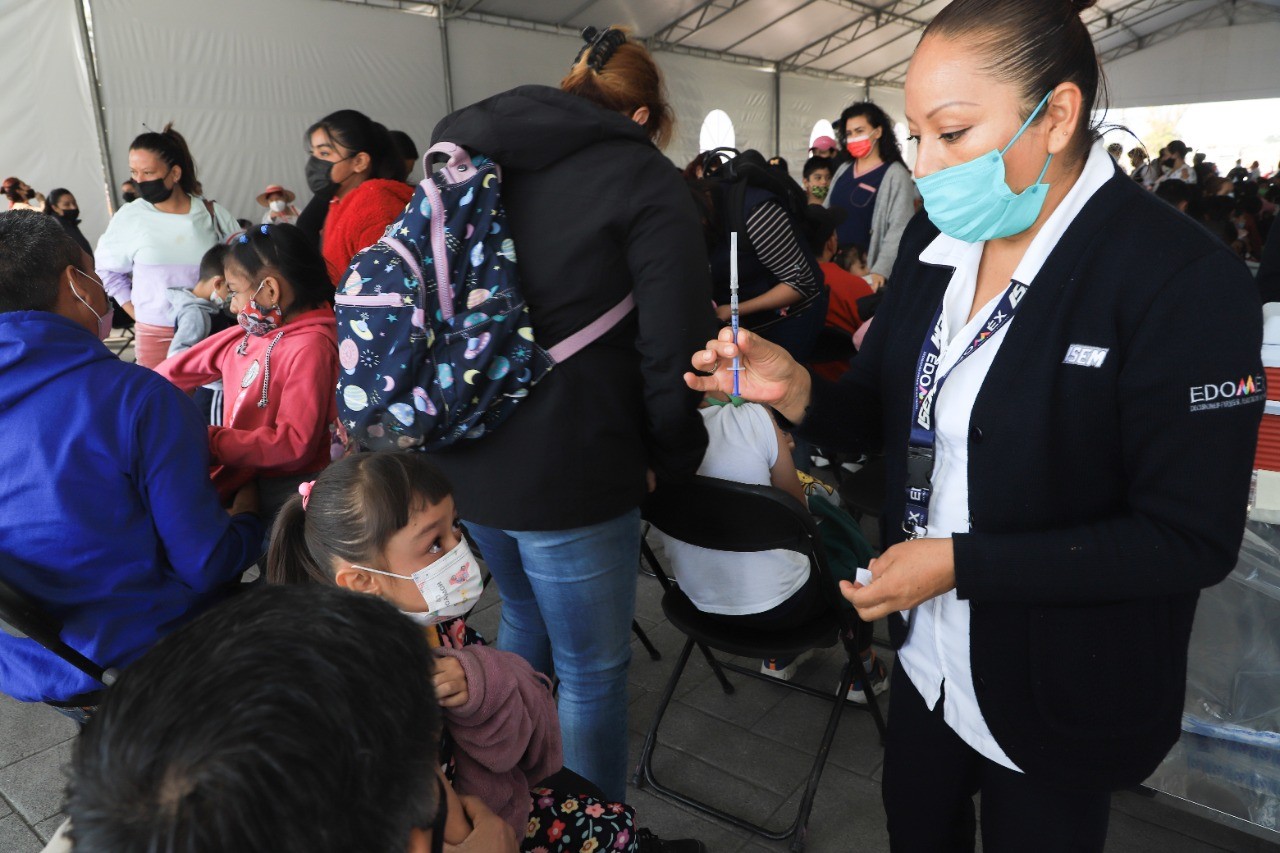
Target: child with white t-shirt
<point x="766" y="590"/>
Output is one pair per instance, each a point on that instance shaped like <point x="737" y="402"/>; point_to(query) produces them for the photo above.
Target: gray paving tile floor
<point x="747" y="752"/>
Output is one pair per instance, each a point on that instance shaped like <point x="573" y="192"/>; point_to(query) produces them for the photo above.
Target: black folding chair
<point x="727" y="516"/>
<point x="22" y="617"/>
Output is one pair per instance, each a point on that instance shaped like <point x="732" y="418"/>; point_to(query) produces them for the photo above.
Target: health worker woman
<point x="1065" y="469"/>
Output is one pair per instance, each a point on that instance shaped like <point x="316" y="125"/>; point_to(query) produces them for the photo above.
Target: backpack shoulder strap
<point x="593" y="332"/>
<point x="213" y="217"/>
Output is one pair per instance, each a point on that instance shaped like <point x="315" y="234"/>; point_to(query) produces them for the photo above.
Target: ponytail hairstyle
<point x="289" y="251"/>
<point x="888" y="148"/>
<point x="54" y="196"/>
<point x="356" y="132"/>
<point x="171" y="148"/>
<point x="619" y="75"/>
<point x="12" y="190"/>
<point x="353" y="509"/>
<point x="1036" y="45"/>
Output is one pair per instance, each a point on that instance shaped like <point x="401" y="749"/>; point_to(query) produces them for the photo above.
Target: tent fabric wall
<point x="1218" y="64"/>
<point x="48" y="138"/>
<point x="805" y="100"/>
<point x="698" y="86"/>
<point x="695" y="86"/>
<point x="243" y="80"/>
<point x="487" y="59"/>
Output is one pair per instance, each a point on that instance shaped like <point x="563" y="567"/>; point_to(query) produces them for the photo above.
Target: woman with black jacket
<point x="1069" y="443"/>
<point x="61" y="205"/>
<point x="552" y="497"/>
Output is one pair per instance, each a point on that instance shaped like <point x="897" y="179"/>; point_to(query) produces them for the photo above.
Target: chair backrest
<point x="22" y="617"/>
<point x="722" y="515"/>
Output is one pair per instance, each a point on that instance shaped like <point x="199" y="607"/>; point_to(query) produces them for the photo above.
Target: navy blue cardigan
<point x="1102" y="498"/>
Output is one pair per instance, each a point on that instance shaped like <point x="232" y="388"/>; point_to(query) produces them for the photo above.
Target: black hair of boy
<point x="816" y="164"/>
<point x="34" y="253"/>
<point x="292" y="719"/>
<point x="288" y="249"/>
<point x="211" y="264"/>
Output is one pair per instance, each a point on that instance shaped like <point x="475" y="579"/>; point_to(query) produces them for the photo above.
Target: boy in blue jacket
<point x="108" y="520"/>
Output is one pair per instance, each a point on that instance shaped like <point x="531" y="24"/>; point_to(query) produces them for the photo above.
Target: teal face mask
<point x="972" y="202"/>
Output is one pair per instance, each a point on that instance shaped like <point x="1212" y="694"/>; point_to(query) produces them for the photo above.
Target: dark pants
<point x="931" y="775"/>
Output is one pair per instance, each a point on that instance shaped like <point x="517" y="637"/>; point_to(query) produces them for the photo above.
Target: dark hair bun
<point x="1083" y="5"/>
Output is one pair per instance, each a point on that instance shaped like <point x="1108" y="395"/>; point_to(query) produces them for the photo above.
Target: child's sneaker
<point x="784" y="669"/>
<point x="879" y="683"/>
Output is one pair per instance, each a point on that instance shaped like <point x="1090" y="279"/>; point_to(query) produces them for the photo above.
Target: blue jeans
<point x="568" y="598"/>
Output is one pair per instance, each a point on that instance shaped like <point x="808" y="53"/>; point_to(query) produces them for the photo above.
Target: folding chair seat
<point x="727" y="516"/>
<point x="22" y="617"/>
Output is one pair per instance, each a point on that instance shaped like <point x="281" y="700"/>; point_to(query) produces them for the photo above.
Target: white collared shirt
<point x="937" y="649"/>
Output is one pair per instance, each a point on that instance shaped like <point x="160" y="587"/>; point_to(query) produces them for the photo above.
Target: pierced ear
<point x="1062" y="115"/>
<point x="270" y="290"/>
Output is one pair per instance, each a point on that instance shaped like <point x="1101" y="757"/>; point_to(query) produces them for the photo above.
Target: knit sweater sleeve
<point x="113" y="257"/>
<point x="774" y="240"/>
<point x="895" y="205"/>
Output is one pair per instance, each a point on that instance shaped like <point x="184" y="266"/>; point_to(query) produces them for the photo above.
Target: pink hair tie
<point x="304" y="489"/>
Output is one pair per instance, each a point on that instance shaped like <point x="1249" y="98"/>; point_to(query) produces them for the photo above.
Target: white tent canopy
<point x="243" y="79"/>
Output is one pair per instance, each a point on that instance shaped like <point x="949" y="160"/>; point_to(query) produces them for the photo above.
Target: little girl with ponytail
<point x="385" y="524"/>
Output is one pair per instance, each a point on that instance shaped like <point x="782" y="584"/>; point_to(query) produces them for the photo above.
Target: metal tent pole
<point x="95" y="94"/>
<point x="442" y="14"/>
<point x="777" y="111"/>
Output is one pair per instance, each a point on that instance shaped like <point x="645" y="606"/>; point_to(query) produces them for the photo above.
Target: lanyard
<point x="920" y="445"/>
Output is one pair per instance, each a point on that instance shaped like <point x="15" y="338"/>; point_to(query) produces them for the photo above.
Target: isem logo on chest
<point x="1083" y="356"/>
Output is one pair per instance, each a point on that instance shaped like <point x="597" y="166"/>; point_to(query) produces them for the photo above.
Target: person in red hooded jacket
<point x="279" y="366"/>
<point x="356" y="163"/>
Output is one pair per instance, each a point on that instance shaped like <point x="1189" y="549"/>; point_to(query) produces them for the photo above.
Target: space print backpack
<point x="434" y="338"/>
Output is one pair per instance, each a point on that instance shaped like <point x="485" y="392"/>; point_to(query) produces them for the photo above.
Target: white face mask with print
<point x="450" y="586"/>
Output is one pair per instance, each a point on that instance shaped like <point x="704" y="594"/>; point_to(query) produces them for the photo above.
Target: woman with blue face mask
<point x="1068" y="448"/>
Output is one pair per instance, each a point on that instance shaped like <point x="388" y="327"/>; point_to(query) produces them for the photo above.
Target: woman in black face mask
<point x="155" y="242"/>
<point x="356" y="166"/>
<point x="1175" y="164"/>
<point x="61" y="205"/>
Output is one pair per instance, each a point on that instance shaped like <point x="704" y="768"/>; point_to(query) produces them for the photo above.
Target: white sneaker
<point x="782" y="668"/>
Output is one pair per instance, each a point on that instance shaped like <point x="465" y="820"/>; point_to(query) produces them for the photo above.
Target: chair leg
<point x="644" y="770"/>
<point x="655" y="568"/>
<point x="797" y="830"/>
<point x="715" y="667"/>
<point x="654" y="654"/>
<point x="819" y="763"/>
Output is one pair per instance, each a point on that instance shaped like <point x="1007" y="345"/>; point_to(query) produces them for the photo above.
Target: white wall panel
<point x="48" y="137"/>
<point x="805" y="100"/>
<point x="243" y="79"/>
<point x="488" y="59"/>
<point x="698" y="86"/>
